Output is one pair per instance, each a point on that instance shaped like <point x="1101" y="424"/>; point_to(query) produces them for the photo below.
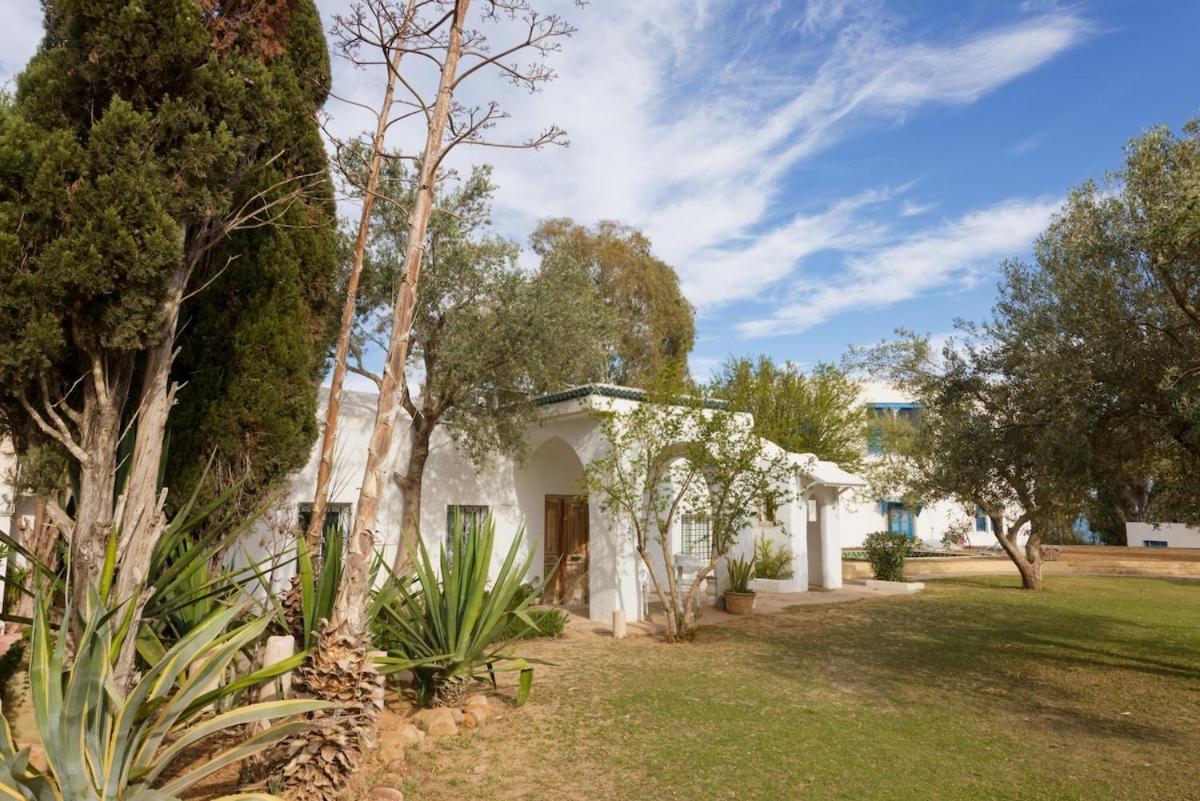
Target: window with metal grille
<point x="697" y="536"/>
<point x="337" y="515"/>
<point x="471" y="516"/>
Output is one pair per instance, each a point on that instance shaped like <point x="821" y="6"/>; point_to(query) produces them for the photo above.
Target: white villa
<point x="866" y="514"/>
<point x="539" y="500"/>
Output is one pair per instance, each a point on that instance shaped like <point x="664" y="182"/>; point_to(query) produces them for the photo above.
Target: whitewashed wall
<point x="1176" y="535"/>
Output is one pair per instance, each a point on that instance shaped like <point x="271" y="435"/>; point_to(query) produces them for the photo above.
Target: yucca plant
<point x="451" y="631"/>
<point x="319" y="583"/>
<point x="105" y="744"/>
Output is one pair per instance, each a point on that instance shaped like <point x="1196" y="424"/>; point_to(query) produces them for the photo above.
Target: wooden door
<point x="566" y="545"/>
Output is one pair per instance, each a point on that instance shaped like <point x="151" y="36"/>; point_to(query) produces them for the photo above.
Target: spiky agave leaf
<point x="451" y="631"/>
<point x="104" y="743"/>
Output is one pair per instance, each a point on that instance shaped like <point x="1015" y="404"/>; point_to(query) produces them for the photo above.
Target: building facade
<point x="540" y="500"/>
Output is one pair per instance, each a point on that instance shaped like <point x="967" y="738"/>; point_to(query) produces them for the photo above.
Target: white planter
<point x="776" y="585"/>
<point x="894" y="586"/>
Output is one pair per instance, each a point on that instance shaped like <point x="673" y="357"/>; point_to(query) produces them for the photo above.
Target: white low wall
<point x="1175" y="535"/>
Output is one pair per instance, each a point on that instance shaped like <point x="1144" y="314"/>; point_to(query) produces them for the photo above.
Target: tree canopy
<point x="653" y="324"/>
<point x="254" y="341"/>
<point x="1081" y="393"/>
<point x="140" y="137"/>
<point x="1110" y="300"/>
<point x="818" y="412"/>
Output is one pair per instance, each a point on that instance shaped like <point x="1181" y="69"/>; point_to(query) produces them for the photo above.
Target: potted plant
<point x="739" y="598"/>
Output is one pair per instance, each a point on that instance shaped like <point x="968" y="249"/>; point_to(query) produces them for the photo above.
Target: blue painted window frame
<point x="904" y="409"/>
<point x="900" y="519"/>
<point x="981" y="519"/>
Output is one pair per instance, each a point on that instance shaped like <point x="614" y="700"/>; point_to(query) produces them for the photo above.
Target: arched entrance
<point x="557" y="519"/>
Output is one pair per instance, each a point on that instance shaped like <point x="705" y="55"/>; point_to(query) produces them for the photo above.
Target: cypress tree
<point x="253" y="343"/>
<point x="135" y="144"/>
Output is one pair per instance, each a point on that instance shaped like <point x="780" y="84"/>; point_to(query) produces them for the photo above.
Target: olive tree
<point x="1003" y="427"/>
<point x="672" y="454"/>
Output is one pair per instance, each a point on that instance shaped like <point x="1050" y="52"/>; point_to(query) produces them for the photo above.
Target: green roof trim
<point x="610" y="391"/>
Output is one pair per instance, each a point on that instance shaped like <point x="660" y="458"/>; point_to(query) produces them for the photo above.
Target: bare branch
<point x="62" y="436"/>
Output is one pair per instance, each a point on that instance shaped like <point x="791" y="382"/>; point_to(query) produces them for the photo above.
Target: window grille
<point x="697" y="536"/>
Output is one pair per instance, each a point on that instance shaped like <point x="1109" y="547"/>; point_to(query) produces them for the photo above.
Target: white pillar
<point x="831" y="540"/>
<point x="612" y="567"/>
<point x="793" y="516"/>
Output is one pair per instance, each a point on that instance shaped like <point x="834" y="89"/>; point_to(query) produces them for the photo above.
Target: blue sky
<point x="820" y="172"/>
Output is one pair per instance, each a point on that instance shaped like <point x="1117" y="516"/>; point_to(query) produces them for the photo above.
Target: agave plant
<point x="741" y="573"/>
<point x="454" y="631"/>
<point x="103" y="744"/>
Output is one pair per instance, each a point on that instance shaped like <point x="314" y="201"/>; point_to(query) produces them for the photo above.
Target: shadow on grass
<point x="1062" y="658"/>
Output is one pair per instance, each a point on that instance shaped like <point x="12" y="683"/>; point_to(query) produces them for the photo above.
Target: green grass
<point x="1088" y="690"/>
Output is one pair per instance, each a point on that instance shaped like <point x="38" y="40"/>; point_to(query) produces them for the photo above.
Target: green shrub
<point x="547" y="623"/>
<point x="453" y="630"/>
<point x="886" y="552"/>
<point x="741" y="573"/>
<point x="772" y="561"/>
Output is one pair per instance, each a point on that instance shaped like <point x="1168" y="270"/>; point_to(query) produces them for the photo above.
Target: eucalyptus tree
<point x="654" y="324"/>
<point x="818" y="412"/>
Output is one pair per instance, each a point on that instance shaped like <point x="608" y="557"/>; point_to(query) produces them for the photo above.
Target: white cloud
<point x="691" y="137"/>
<point x="916" y="264"/>
<point x="1029" y="143"/>
<point x="687" y="117"/>
<point x="911" y="208"/>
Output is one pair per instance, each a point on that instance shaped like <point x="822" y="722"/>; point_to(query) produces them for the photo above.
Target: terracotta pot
<point x="739" y="603"/>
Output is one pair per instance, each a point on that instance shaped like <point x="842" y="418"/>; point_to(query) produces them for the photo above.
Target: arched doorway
<point x="557" y="519"/>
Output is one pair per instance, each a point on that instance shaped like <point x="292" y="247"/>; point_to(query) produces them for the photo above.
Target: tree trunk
<point x="140" y="513"/>
<point x="350" y="609"/>
<point x="104" y="396"/>
<point x="659" y="591"/>
<point x="421" y="431"/>
<point x="333" y="406"/>
<point x="678" y="615"/>
<point x="141" y="507"/>
<point x="1028" y="561"/>
<point x="690" y="601"/>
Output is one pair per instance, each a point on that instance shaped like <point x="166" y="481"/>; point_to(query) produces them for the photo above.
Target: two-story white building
<point x="865" y="513"/>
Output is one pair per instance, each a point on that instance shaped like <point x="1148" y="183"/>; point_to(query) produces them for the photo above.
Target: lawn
<point x="971" y="690"/>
